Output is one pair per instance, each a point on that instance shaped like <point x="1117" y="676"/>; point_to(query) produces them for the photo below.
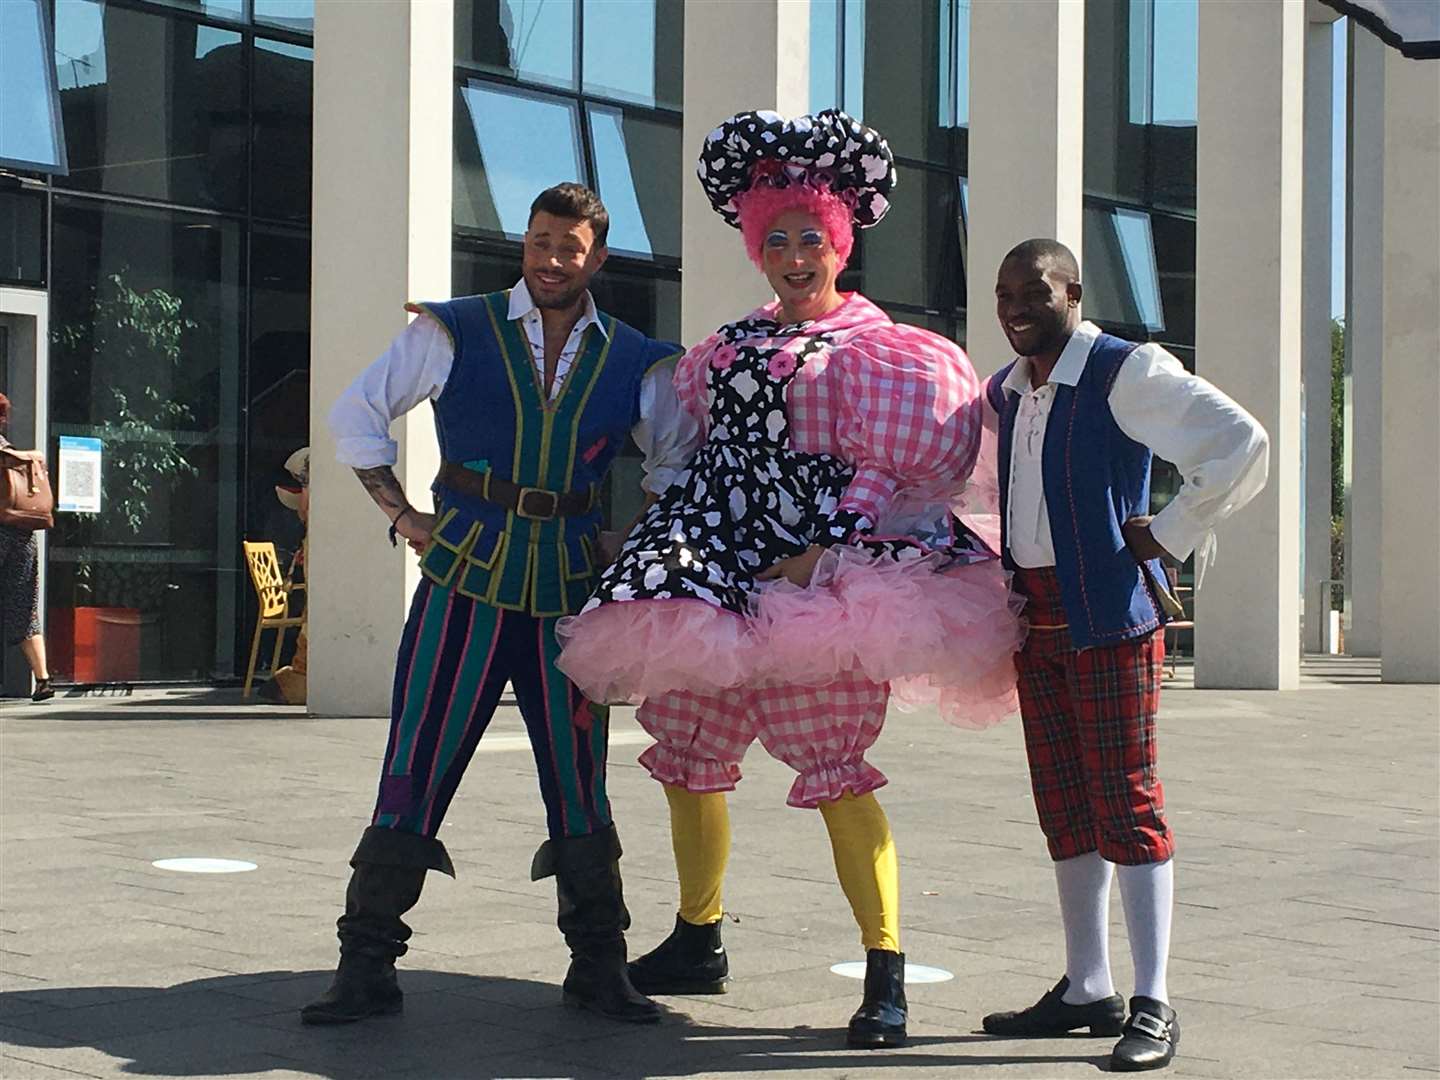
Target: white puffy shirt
<point x="1220" y="450"/>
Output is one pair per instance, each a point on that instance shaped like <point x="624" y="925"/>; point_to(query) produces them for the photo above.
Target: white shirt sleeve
<point x="415" y="367"/>
<point x="667" y="434"/>
<point x="1222" y="452"/>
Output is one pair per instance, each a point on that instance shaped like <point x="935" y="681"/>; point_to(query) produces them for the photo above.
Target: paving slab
<point x="1307" y="934"/>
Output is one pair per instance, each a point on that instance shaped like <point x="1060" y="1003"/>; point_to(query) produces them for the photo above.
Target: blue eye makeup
<point x="777" y="239"/>
<point x="812" y="237"/>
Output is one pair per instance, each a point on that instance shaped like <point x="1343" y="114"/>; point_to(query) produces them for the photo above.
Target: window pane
<point x="22" y="238"/>
<point x="217" y="9"/>
<point x="638" y="170"/>
<point x="297" y="15"/>
<point x="282" y="97"/>
<point x="1174" y="82"/>
<point x="154" y="106"/>
<point x="533" y="40"/>
<point x="914" y="255"/>
<point x="1137" y="247"/>
<point x="908" y="90"/>
<point x="824" y="54"/>
<point x="474" y="272"/>
<point x="29" y="112"/>
<point x="1123" y="278"/>
<point x="278" y="417"/>
<point x="1116" y="147"/>
<point x="1175" y="264"/>
<point x="853" y="75"/>
<point x="634" y="50"/>
<point x="1140" y="100"/>
<point x="509" y="146"/>
<point x="145" y="356"/>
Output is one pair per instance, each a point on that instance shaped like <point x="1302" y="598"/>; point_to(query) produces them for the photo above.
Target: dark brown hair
<point x="575" y="201"/>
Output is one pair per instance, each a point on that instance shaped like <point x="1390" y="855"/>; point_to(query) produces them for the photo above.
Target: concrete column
<point x="739" y="55"/>
<point x="1315" y="335"/>
<point x="1027" y="137"/>
<point x="1251" y="68"/>
<point x="1410" y="492"/>
<point x="1363" y="344"/>
<point x="380" y="236"/>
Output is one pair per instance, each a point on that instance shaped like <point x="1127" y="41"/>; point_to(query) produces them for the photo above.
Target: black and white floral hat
<point x="830" y="149"/>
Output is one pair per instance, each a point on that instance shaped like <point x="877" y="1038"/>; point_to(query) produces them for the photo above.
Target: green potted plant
<point x="120" y="356"/>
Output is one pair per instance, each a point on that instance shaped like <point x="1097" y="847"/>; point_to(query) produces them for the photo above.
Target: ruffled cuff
<point x="828" y="781"/>
<point x="1176" y="531"/>
<point x="688" y="770"/>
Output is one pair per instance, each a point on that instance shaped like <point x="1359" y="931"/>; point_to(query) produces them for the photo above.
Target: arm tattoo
<point x="380" y="482"/>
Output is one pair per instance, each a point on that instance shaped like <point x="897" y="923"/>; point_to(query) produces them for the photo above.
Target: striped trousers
<point x="456" y="656"/>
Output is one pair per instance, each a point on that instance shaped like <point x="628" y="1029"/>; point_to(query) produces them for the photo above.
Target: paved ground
<point x="1306" y="938"/>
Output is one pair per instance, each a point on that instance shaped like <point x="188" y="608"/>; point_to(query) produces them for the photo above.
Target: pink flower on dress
<point x="723" y="357"/>
<point x="781" y="365"/>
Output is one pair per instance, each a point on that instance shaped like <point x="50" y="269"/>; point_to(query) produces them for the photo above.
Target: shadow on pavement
<point x="454" y="1025"/>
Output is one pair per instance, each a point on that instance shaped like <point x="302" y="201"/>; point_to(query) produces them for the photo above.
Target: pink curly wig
<point x="763" y="203"/>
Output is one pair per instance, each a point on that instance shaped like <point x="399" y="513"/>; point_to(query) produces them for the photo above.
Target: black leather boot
<point x="389" y="872"/>
<point x="691" y="960"/>
<point x="593" y="918"/>
<point x="880" y="1020"/>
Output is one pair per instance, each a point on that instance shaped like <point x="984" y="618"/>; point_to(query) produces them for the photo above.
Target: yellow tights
<point x="700" y="837"/>
<point x="867" y="867"/>
<point x="860" y="840"/>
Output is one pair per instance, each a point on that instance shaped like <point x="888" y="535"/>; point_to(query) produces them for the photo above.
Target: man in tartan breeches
<point x="1089" y="720"/>
<point x="1077" y="416"/>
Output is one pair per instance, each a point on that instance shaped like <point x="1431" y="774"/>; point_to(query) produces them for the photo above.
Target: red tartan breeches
<point x="1089" y="720"/>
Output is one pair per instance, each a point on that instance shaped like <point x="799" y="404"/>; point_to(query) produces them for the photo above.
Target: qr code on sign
<point x="82" y="479"/>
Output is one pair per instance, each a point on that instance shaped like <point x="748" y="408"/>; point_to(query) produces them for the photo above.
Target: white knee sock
<point x="1084" y="886"/>
<point x="1148" y="893"/>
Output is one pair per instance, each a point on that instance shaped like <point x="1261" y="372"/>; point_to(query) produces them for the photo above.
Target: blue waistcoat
<point x="493" y="416"/>
<point x="1095" y="478"/>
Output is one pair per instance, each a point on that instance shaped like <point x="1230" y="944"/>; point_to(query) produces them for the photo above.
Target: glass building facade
<point x="155" y="180"/>
<point x="172" y="236"/>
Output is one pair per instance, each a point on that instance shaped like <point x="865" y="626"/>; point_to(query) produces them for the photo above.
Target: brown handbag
<point x="26" y="501"/>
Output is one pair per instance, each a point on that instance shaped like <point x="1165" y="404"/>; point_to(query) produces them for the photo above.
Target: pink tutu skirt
<point x="940" y="633"/>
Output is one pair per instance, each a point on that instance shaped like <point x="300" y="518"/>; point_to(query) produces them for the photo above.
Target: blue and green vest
<point x="493" y="416"/>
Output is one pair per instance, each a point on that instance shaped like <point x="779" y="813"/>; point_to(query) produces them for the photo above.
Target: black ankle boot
<point x="691" y="960"/>
<point x="364" y="985"/>
<point x="372" y="934"/>
<point x="880" y="1020"/>
<point x="593" y="918"/>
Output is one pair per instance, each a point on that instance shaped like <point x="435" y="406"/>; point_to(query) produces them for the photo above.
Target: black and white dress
<point x="747" y="500"/>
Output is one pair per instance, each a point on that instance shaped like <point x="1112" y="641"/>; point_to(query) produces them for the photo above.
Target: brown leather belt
<point x="539" y="504"/>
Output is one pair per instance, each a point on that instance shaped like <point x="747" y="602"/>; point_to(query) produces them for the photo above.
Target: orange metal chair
<point x="272" y="591"/>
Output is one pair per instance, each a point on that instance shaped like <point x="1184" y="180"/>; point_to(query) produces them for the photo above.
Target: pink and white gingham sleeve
<point x="909" y="420"/>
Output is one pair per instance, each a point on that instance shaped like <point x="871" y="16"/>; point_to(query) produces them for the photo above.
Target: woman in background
<point x="20" y="589"/>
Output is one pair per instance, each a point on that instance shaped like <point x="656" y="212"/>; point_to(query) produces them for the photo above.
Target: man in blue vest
<point x="534" y="393"/>
<point x="1079" y="413"/>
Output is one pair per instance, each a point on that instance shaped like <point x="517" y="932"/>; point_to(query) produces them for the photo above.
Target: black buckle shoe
<point x="364" y="986"/>
<point x="1151" y="1035"/>
<point x="880" y="1020"/>
<point x="597" y="981"/>
<point x="691" y="960"/>
<point x="1051" y="1016"/>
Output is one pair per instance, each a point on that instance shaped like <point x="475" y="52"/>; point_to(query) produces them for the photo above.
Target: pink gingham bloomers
<point x="850" y="431"/>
